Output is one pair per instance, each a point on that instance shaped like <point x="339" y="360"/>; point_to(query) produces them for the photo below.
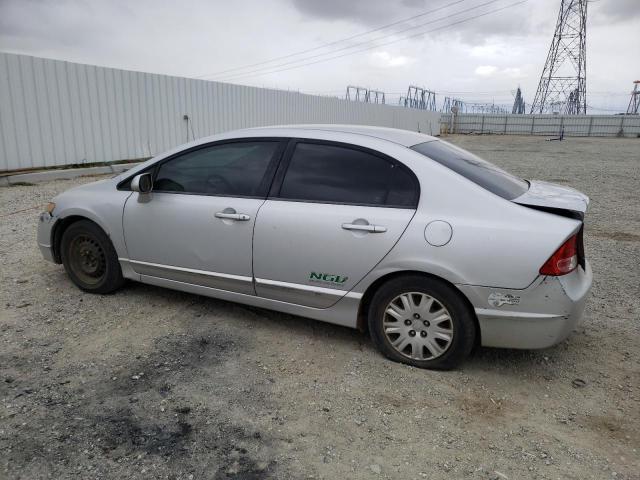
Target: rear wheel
<point x="422" y="322"/>
<point x="90" y="259"/>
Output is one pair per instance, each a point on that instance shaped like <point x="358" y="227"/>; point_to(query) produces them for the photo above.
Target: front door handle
<point x="241" y="217"/>
<point x="364" y="228"/>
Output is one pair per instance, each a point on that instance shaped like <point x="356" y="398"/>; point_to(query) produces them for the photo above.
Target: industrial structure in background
<point x="451" y="103"/>
<point x="420" y="98"/>
<point x="634" y="103"/>
<point x="363" y="94"/>
<point x="488" y="108"/>
<point x="518" y="103"/>
<point x="562" y="87"/>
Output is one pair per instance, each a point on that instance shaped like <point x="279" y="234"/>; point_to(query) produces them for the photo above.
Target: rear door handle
<point x="364" y="228"/>
<point x="241" y="217"/>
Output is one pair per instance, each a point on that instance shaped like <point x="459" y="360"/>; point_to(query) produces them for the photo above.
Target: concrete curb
<point x="48" y="175"/>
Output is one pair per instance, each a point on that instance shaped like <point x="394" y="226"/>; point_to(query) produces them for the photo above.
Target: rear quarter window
<point x="474" y="168"/>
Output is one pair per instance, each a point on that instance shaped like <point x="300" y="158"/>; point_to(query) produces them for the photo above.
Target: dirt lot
<point x="149" y="383"/>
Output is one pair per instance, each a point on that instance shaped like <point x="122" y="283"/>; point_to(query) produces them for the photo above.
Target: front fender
<point x="102" y="203"/>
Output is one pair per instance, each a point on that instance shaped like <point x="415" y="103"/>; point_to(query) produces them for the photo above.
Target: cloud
<point x="485" y="70"/>
<point x="513" y="72"/>
<point x="616" y="11"/>
<point x="488" y="71"/>
<point x="368" y="12"/>
<point x="487" y="51"/>
<point x="207" y="38"/>
<point x="386" y="60"/>
<point x="465" y="21"/>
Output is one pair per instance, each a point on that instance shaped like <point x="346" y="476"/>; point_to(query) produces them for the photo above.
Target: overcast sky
<point x="483" y="59"/>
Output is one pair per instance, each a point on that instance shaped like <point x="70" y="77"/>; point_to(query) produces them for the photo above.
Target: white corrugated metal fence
<point x="55" y="113"/>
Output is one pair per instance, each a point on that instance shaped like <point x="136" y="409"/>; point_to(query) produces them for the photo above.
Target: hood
<point x="97" y="187"/>
<point x="551" y="195"/>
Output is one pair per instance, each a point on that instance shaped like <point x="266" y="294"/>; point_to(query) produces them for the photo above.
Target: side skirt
<point x="344" y="312"/>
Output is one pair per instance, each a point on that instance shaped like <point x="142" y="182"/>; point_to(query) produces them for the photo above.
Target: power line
<point x="348" y="47"/>
<point x="383" y="27"/>
<point x="443" y="27"/>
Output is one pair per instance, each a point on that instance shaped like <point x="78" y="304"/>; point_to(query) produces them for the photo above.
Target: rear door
<point x="334" y="212"/>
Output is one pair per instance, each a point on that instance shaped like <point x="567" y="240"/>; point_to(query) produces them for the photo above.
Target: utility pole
<point x="563" y="77"/>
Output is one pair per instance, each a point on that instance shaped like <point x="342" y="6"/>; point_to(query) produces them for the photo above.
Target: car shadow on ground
<point x="499" y="360"/>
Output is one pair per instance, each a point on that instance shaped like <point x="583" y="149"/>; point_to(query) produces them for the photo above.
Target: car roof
<point x="406" y="138"/>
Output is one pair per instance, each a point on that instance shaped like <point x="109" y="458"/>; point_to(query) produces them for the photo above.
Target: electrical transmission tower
<point x="418" y="97"/>
<point x="362" y="94"/>
<point x="518" y="103"/>
<point x="376" y="96"/>
<point x="634" y="103"/>
<point x="564" y="75"/>
<point x="357" y="94"/>
<point x="450" y="102"/>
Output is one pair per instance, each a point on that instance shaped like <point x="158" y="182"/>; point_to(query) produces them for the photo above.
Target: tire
<point x="90" y="259"/>
<point x="429" y="322"/>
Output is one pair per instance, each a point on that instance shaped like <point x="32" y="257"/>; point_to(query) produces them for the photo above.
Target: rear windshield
<point x="479" y="171"/>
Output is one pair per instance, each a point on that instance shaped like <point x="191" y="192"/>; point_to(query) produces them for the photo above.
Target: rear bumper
<point x="45" y="228"/>
<point x="539" y="316"/>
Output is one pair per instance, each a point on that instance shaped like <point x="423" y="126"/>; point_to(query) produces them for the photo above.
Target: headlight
<point x="50" y="207"/>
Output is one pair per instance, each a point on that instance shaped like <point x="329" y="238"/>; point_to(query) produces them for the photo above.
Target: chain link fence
<point x="548" y="125"/>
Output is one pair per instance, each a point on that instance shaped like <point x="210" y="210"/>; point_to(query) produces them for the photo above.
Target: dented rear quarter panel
<point x="495" y="242"/>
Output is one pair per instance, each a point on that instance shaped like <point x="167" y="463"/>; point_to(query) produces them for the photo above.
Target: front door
<point x="196" y="226"/>
<point x="336" y="212"/>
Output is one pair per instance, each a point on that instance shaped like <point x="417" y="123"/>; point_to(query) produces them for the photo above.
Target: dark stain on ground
<point x="150" y="418"/>
<point x="179" y="355"/>
<point x="619" y="236"/>
<point x="123" y="429"/>
<point x="611" y="425"/>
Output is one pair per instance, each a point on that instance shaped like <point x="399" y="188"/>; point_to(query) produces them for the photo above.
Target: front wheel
<point x="90" y="259"/>
<point x="423" y="322"/>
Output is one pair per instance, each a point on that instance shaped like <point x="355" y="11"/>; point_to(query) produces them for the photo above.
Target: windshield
<point x="479" y="171"/>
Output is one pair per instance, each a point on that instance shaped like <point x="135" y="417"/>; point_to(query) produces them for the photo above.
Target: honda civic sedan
<point x="428" y="247"/>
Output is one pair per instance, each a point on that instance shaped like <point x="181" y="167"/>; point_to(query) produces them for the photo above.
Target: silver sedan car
<point x="428" y="247"/>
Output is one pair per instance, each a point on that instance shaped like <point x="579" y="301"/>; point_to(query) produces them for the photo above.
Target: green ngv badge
<point x="327" y="278"/>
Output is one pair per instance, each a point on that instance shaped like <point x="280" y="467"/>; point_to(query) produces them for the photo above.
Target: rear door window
<point x="474" y="168"/>
<point x="329" y="173"/>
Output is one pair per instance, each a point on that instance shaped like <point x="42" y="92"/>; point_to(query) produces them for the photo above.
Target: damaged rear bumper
<point x="540" y="316"/>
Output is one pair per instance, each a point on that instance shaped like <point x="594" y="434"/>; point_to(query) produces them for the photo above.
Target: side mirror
<point x="142" y="183"/>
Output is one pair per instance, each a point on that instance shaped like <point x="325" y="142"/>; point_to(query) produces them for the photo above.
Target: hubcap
<point x="418" y="326"/>
<point x="87" y="259"/>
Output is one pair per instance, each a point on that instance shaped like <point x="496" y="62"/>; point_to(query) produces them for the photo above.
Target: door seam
<point x="253" y="239"/>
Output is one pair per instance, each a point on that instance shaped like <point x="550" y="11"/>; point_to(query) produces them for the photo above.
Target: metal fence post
<point x="533" y="122"/>
<point x="505" y="124"/>
<point x="590" y="126"/>
<point x="482" y="125"/>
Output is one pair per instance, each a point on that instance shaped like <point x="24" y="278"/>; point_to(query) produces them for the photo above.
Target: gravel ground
<point x="150" y="383"/>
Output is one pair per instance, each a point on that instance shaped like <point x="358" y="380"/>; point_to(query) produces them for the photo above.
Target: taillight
<point x="564" y="260"/>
